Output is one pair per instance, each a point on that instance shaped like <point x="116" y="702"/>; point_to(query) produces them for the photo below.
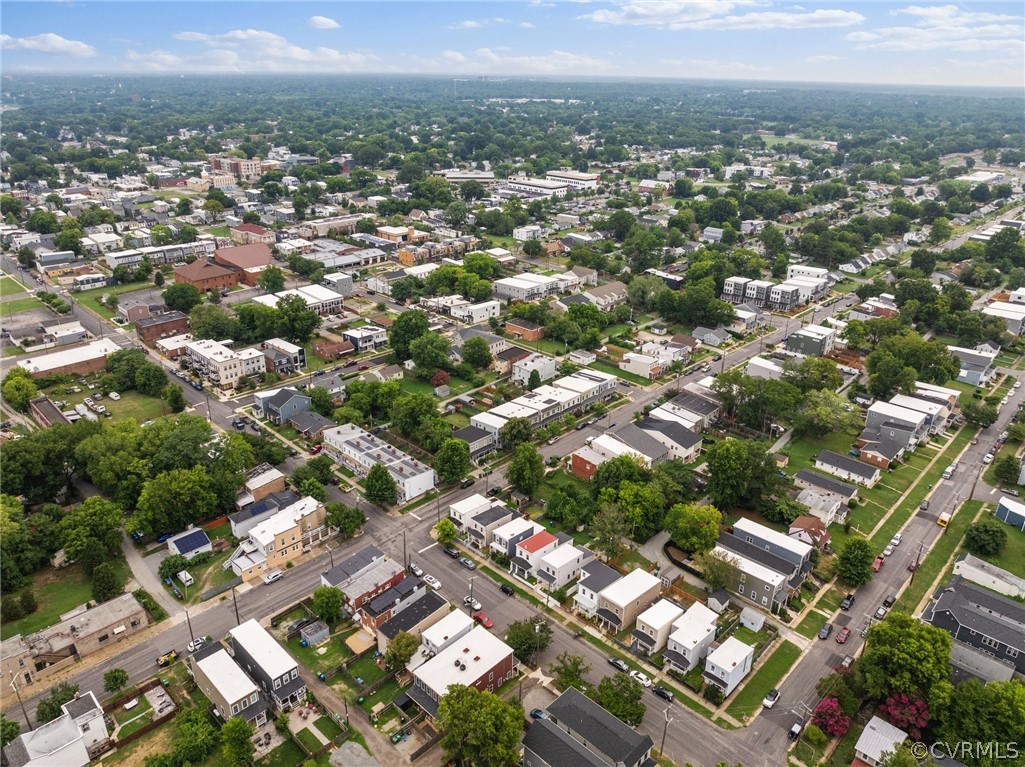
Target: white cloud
<point x="47" y="42"/>
<point x="712" y="67"/>
<point x="946" y="28"/>
<point x="716" y="15"/>
<point x="540" y="4"/>
<point x="944" y="15"/>
<point x="775" y="20"/>
<point x="527" y="25"/>
<point x="497" y="61"/>
<point x="323" y="22"/>
<point x="478" y="23"/>
<point x="823" y="58"/>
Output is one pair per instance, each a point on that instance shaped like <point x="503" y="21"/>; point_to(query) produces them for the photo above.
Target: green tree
<point x="213" y="322"/>
<point x="526" y="470"/>
<point x="607" y="528"/>
<point x="529" y="637"/>
<point x="19" y="389"/>
<point x="1007" y="469"/>
<point x="171" y="565"/>
<point x="826" y="412"/>
<point x="327" y="603"/>
<point x="172" y="500"/>
<point x="236" y="742"/>
<point x="115" y="680"/>
<point x="348" y="520"/>
<point x="195" y="737"/>
<point x="446" y="531"/>
<point x="272" y="279"/>
<point x="9" y="730"/>
<point x="400" y="650"/>
<point x="477" y="353"/>
<point x="95" y="524"/>
<point x="986" y="538"/>
<point x="693" y="528"/>
<point x="407" y="327"/>
<point x="175" y="398"/>
<point x="622" y="697"/>
<point x="480" y="728"/>
<point x="515" y="432"/>
<point x="182" y="296"/>
<point x="854" y="563"/>
<point x="906" y="655"/>
<point x="978" y="413"/>
<point x="150" y="379"/>
<point x="814" y="373"/>
<point x="296" y="321"/>
<point x="380" y="487"/>
<point x="410" y="412"/>
<point x="534" y="380"/>
<point x="49" y="708"/>
<point x="430" y="352"/>
<point x="718" y="569"/>
<point x="452" y="460"/>
<point x="107" y="582"/>
<point x="568" y="671"/>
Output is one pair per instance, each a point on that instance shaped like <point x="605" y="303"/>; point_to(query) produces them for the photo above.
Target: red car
<point x="316" y="449"/>
<point x="363" y="367"/>
<point x="481" y="617"/>
<point x="843" y="635"/>
<point x="878" y="564"/>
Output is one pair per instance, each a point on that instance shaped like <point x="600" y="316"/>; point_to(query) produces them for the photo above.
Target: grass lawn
<point x="20" y="305"/>
<point x="135" y="725"/>
<point x="813" y="621"/>
<point x="384" y="694"/>
<point x="90" y="299"/>
<point x="137" y="406"/>
<point x="1012" y="558"/>
<point x="367" y="670"/>
<point x="10" y="286"/>
<point x="989" y="476"/>
<point x="802" y="451"/>
<point x="57" y="592"/>
<point x="334" y="653"/>
<point x="844" y="753"/>
<point x="416" y="386"/>
<point x="121" y="715"/>
<point x="328" y="728"/>
<point x="561" y="479"/>
<point x="459" y="420"/>
<point x="288" y="754"/>
<point x="218" y="231"/>
<point x="308" y="739"/>
<point x="749" y="700"/>
<point x="752" y="638"/>
<point x="632" y="559"/>
<point x="611" y="369"/>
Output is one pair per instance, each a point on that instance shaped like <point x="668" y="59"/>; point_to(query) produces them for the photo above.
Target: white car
<point x="471" y="602"/>
<point x="195" y="644"/>
<point x="895" y="540"/>
<point x="641" y="677"/>
<point x="433" y="582"/>
<point x="770" y="700"/>
<point x="988" y="458"/>
<point x="1003" y="401"/>
<point x="114" y="396"/>
<point x="888" y="551"/>
<point x="416" y="569"/>
<point x="1017" y="385"/>
<point x="88" y="400"/>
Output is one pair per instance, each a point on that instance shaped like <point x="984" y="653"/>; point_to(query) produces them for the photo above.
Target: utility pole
<point x="471" y="580"/>
<point x="918" y="560"/>
<point x="17" y="692"/>
<point x="189" y="621"/>
<point x="234" y="599"/>
<point x="665" y="729"/>
<point x="405" y="557"/>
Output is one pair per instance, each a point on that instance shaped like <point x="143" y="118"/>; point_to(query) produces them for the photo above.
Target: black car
<point x="619" y="663"/>
<point x="663" y="693"/>
<point x="452" y="552"/>
<point x="493" y="492"/>
<point x="508" y="590"/>
<point x="847" y="602"/>
<point x="825" y="631"/>
<point x="888" y="602"/>
<point x="795" y="731"/>
<point x="467" y="482"/>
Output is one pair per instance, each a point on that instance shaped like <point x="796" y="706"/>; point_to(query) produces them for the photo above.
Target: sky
<point x="896" y="43"/>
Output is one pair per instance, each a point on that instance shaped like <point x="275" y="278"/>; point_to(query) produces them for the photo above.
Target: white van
<point x="273" y="575"/>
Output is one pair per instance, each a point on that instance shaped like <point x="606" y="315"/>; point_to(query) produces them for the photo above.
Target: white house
<point x="693" y="633"/>
<point x="643" y="365"/>
<point x="529" y="552"/>
<point x="62" y="742"/>
<point x="562" y="565"/>
<point x="653" y="627"/>
<point x="545" y="366"/>
<point x="594" y="578"/>
<point x="505" y="538"/>
<point x="878" y="738"/>
<point x="529" y="232"/>
<point x="474" y="313"/>
<point x="728" y="664"/>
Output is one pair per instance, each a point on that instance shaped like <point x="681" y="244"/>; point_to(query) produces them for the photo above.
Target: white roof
<point x="752" y="568"/>
<point x="694" y="625"/>
<point x="224" y="673"/>
<point x="660" y="614"/>
<point x="1004" y="309"/>
<point x="1013" y="505"/>
<point x="817" y="331"/>
<point x="878" y="737"/>
<point x="469" y="505"/>
<point x="773" y="536"/>
<point x="928" y="388"/>
<point x="479" y="650"/>
<point x="561" y="556"/>
<point x="914" y="403"/>
<point x="40" y="364"/>
<point x="286" y="518"/>
<point x="490" y="419"/>
<point x="730" y="653"/>
<point x="284" y="346"/>
<point x="449" y="626"/>
<point x="515" y="527"/>
<point x="630" y="587"/>
<point x="897" y="411"/>
<point x="263" y="648"/>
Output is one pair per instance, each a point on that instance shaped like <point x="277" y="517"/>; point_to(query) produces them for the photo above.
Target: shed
<point x="314" y="633"/>
<point x="190" y="543"/>
<point x="718" y="601"/>
<point x="752" y="619"/>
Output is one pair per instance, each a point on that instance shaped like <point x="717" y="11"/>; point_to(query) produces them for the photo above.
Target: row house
<point x="231" y="692"/>
<point x="620" y="603"/>
<point x="505" y="538"/>
<point x="561" y="566"/>
<point x="268" y="663"/>
<point x="360" y="451"/>
<point x="285" y="537"/>
<point x="692" y="635"/>
<point x="478" y="518"/>
<point x="654" y="626"/>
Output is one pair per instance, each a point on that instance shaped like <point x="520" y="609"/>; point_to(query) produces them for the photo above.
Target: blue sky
<point x="910" y="43"/>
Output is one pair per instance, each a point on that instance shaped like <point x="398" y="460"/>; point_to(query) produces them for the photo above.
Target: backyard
<point x="1012" y="558"/>
<point x="327" y="656"/>
<point x="367" y="670"/>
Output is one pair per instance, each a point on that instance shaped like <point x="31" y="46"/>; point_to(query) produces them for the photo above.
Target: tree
<point x="515" y="432"/>
<point x="107" y="583"/>
<point x="171" y="565"/>
<point x="213" y="322"/>
<point x="446" y="531"/>
<point x="96" y="523"/>
<point x="814" y="373"/>
<point x="452" y="460"/>
<point x="480" y="728"/>
<point x="854" y="564"/>
<point x="529" y="637"/>
<point x="534" y="380"/>
<point x="719" y="569"/>
<point x="380" y="486"/>
<point x="400" y="650"/>
<point x="175" y="398"/>
<point x="9" y="730"/>
<point x="195" y="737"/>
<point x="830" y="717"/>
<point x="825" y="412"/>
<point x="607" y="528"/>
<point x="49" y="708"/>
<point x="327" y="603"/>
<point x="183" y="297"/>
<point x="1008" y="468"/>
<point x="150" y="379"/>
<point x="621" y="696"/>
<point x="115" y="680"/>
<point x="693" y="528"/>
<point x="526" y="470"/>
<point x="906" y="655"/>
<point x="477" y="353"/>
<point x="990" y="713"/>
<point x="236" y="742"/>
<point x="407" y="327"/>
<point x="19" y="389"/>
<point x="568" y="671"/>
<point x="348" y="520"/>
<point x="986" y="538"/>
<point x="173" y="499"/>
<point x="296" y="321"/>
<point x="908" y="712"/>
<point x="272" y="279"/>
<point x="978" y="413"/>
<point x="430" y="352"/>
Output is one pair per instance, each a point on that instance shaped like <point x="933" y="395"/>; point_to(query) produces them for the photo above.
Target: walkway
<point x="148" y="579"/>
<point x="378" y="744"/>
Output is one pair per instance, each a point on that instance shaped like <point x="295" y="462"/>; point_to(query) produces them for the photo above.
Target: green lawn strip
<point x="1012" y="558"/>
<point x="802" y="451"/>
<point x="90" y="299"/>
<point x="937" y="557"/>
<point x="607" y="367"/>
<point x="218" y="231"/>
<point x="19" y="305"/>
<point x="288" y="754"/>
<point x="520" y="591"/>
<point x="990" y="475"/>
<point x="384" y="694"/>
<point x="10" y="286"/>
<point x="308" y="739"/>
<point x="632" y="559"/>
<point x="328" y="727"/>
<point x="767" y="676"/>
<point x="813" y="621"/>
<point x="808" y="754"/>
<point x="367" y="669"/>
<point x="122" y="715"/>
<point x="135" y="724"/>
<point x="844" y="753"/>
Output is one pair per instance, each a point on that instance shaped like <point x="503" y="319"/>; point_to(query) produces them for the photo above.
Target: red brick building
<point x="249" y="260"/>
<point x="207" y="275"/>
<point x="525" y="330"/>
<point x="161" y="326"/>
<point x="250" y="234"/>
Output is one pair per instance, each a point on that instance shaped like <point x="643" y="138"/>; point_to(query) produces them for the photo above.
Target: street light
<point x="665" y="729"/>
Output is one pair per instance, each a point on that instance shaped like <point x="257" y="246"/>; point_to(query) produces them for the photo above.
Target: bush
<point x="815" y="737"/>
<point x="694" y="679"/>
<point x="28" y="602"/>
<point x="156" y="612"/>
<point x="11" y="610"/>
<point x="713" y="694"/>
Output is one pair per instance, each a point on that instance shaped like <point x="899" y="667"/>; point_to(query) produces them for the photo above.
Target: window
<point x="491" y="676"/>
<point x="245" y="703"/>
<point x="743" y="577"/>
<point x="234" y="709"/>
<point x="765" y="600"/>
<point x="135" y="623"/>
<point x="740" y="590"/>
<point x="766" y="586"/>
<point x="989" y="642"/>
<point x="21" y="663"/>
<point x="253" y="698"/>
<point x="85" y="726"/>
<point x="103" y="638"/>
<point x="277" y="683"/>
<point x="295" y="673"/>
<point x="1012" y="652"/>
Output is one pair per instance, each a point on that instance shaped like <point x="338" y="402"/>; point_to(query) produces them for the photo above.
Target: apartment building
<point x="366" y="338"/>
<point x="360" y="451"/>
<point x="221" y="365"/>
<point x="285" y="537"/>
<point x="250" y="234"/>
<point x="574" y="179"/>
<point x="812" y="341"/>
<point x="319" y="299"/>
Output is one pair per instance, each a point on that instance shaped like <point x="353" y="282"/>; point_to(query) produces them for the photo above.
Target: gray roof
<point x="597" y="576"/>
<point x="881" y="440"/>
<point x="695" y="403"/>
<point x="349" y="567"/>
<point x="677" y="432"/>
<point x="83" y="704"/>
<point x="308" y="421"/>
<point x="607" y="734"/>
<point x="981" y="611"/>
<point x="833" y="485"/>
<point x="846" y="463"/>
<point x="492" y="515"/>
<point x="640" y="440"/>
<point x="470" y="434"/>
<point x="465" y="334"/>
<point x="428" y="603"/>
<point x="555" y="746"/>
<point x="282" y="396"/>
<point x="387" y="598"/>
<point x="756" y="553"/>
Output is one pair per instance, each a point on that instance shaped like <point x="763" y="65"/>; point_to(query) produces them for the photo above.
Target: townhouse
<point x="643" y="365"/>
<point x="427" y="610"/>
<point x="505" y="538"/>
<point x="286" y="536"/>
<point x="222" y="366"/>
<point x="528" y="553"/>
<point x="682" y="443"/>
<point x="362" y="577"/>
<point x="360" y="451"/>
<point x="620" y="603"/>
<point x="728" y="664"/>
<point x="914" y="421"/>
<point x="848" y="468"/>
<point x="654" y="626"/>
<point x="692" y="635"/>
<point x="478" y="517"/>
<point x="378" y="610"/>
<point x="754" y="581"/>
<point x="977" y="368"/>
<point x="562" y="565"/>
<point x="798" y="554"/>
<point x="608" y="296"/>
<point x="231" y="692"/>
<point x="474" y="313"/>
<point x="812" y="341"/>
<point x="268" y="663"/>
<point x="595" y="577"/>
<point x="528" y="287"/>
<point x="366" y="338"/>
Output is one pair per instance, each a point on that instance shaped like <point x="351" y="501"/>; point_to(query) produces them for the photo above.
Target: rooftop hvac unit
<point x="462" y="667"/>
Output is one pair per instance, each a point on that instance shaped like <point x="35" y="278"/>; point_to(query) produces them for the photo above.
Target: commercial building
<point x="538" y="187"/>
<point x="89" y="358"/>
<point x="250" y="260"/>
<point x="360" y="451"/>
<point x="165" y="325"/>
<point x="575" y="179"/>
<point x="207" y="275"/>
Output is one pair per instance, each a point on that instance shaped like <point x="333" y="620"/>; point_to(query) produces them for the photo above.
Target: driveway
<point x="145" y="572"/>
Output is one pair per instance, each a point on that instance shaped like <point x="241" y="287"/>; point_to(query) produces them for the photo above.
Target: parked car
<point x="467" y="482"/>
<point x="888" y="602"/>
<point x="195" y="644"/>
<point x="536" y="713"/>
<point x="795" y="730"/>
<point x="167" y="658"/>
<point x="880" y="613"/>
<point x="273" y="576"/>
<point x="770" y="700"/>
<point x="988" y="458"/>
<point x="619" y="663"/>
<point x="494" y="491"/>
<point x="363" y="367"/>
<point x="471" y="602"/>
<point x="482" y="618"/>
<point x="924" y="505"/>
<point x="877" y="565"/>
<point x="114" y="396"/>
<point x="468" y="563"/>
<point x="842" y="635"/>
<point x="316" y="449"/>
<point x="416" y="569"/>
<point x="433" y="582"/>
<point x="641" y="677"/>
<point x="847" y="602"/>
<point x="825" y="631"/>
<point x="452" y="551"/>
<point x="664" y="693"/>
<point x="508" y="590"/>
<point x="888" y="551"/>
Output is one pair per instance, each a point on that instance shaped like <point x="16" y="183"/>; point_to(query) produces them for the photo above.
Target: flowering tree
<point x="908" y="712"/>
<point x="440" y="378"/>
<point x="830" y="717"/>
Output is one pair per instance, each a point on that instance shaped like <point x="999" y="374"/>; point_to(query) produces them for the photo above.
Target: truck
<point x="949" y="471"/>
<point x="944" y="519"/>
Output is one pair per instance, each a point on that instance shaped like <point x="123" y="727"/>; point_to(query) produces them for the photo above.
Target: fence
<point x="156" y="722"/>
<point x="431" y="742"/>
<point x="211" y="593"/>
<point x="303" y="604"/>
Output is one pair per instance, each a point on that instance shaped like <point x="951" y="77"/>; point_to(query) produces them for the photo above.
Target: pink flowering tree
<point x="830" y="717"/>
<point x="908" y="712"/>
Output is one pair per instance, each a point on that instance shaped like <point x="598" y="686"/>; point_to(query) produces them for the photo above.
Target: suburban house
<point x="284" y="537"/>
<point x="620" y="603"/>
<point x="360" y="451"/>
<point x="505" y="538"/>
<point x="654" y="626"/>
<point x="595" y="577"/>
<point x="559" y="567"/>
<point x="477" y="659"/>
<point x="279" y="405"/>
<point x="728" y="664"/>
<point x="683" y="444"/>
<point x="478" y="518"/>
<point x="545" y="366"/>
<point x="796" y="553"/>
<point x="366" y="338"/>
<point x="643" y="365"/>
<point x="881" y="414"/>
<point x="268" y="663"/>
<point x="261" y="481"/>
<point x="529" y="552"/>
<point x="363" y="576"/>
<point x="482" y="443"/>
<point x="977" y="368"/>
<point x="311" y="425"/>
<point x="806" y="478"/>
<point x="608" y="296"/>
<point x="581" y="733"/>
<point x="712" y="337"/>
<point x="1012" y="512"/>
<point x="496" y="344"/>
<point x="885" y="444"/>
<point x="74" y="738"/>
<point x="190" y="543"/>
<point x="692" y="635"/>
<point x="253" y="513"/>
<point x="878" y="739"/>
<point x="230" y="691"/>
<point x="823" y="505"/>
<point x="980" y="618"/>
<point x="811" y="530"/>
<point x="429" y="608"/>
<point x="848" y="468"/>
